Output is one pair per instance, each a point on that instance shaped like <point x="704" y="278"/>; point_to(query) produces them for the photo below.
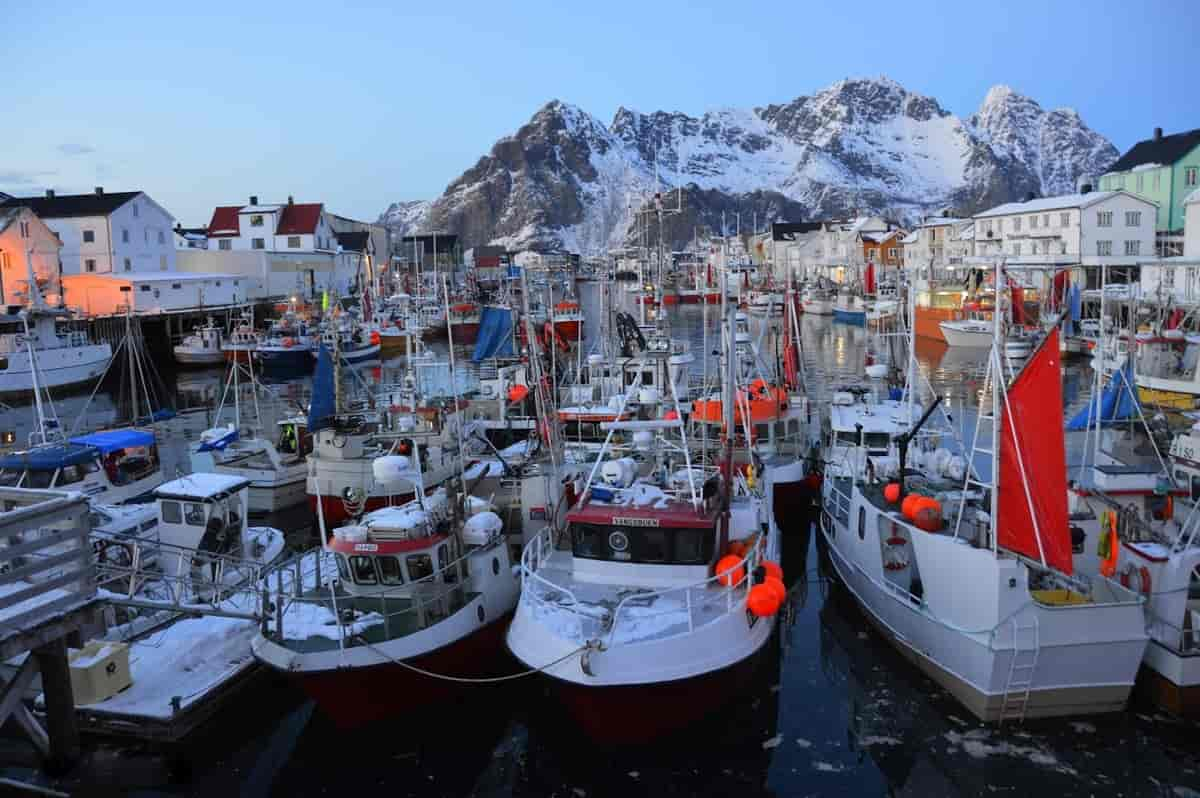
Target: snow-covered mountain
<point x="567" y="180"/>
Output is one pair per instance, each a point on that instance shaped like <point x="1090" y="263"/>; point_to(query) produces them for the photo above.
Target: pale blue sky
<point x="359" y="104"/>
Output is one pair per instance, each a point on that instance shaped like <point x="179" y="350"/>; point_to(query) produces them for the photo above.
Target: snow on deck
<point x="641" y="618"/>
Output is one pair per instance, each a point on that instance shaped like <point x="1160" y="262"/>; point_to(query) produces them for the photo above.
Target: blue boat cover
<point x="49" y="458"/>
<point x="110" y="440"/>
<point x="321" y="409"/>
<point x="495" y="334"/>
<point x="1118" y="402"/>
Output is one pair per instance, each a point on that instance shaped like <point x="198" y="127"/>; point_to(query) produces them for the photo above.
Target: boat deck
<point x="310" y="623"/>
<point x="585" y="610"/>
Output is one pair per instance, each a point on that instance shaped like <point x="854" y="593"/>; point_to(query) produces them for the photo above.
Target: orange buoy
<point x="736" y="548"/>
<point x="729" y="570"/>
<point x="774" y="571"/>
<point x="375" y="339"/>
<point x="928" y="517"/>
<point x="670" y="415"/>
<point x="909" y="506"/>
<point x="518" y="393"/>
<point x="777" y="587"/>
<point x="891" y="492"/>
<point x="762" y="601"/>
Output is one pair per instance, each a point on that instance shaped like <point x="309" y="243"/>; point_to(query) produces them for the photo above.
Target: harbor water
<point x="836" y="711"/>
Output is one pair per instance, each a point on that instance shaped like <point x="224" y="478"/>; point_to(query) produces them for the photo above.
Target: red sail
<point x="1032" y="425"/>
<point x="869" y="280"/>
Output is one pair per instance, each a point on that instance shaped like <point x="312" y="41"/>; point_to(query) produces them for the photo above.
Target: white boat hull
<point x="57" y="368"/>
<point x="198" y="357"/>
<point x="966" y="337"/>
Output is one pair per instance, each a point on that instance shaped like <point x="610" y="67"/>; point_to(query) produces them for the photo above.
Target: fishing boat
<point x="1138" y="525"/>
<point x="114" y="466"/>
<point x="768" y="302"/>
<point x="644" y="613"/>
<point x="397" y="610"/>
<point x="347" y="440"/>
<point x="275" y="470"/>
<point x="286" y="346"/>
<point x="973" y="580"/>
<point x="353" y="343"/>
<point x="64" y="356"/>
<point x="242" y="342"/>
<point x="818" y="301"/>
<point x="849" y="308"/>
<point x="568" y="319"/>
<point x="202" y="347"/>
<point x="464" y="319"/>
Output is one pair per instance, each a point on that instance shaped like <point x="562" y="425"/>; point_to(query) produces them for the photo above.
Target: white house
<point x="1191" y="225"/>
<point x="26" y="241"/>
<point x="105" y="233"/>
<point x="1091" y="229"/>
<point x="288" y="227"/>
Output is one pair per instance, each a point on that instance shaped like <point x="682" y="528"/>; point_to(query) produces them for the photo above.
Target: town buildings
<point x="1164" y="170"/>
<point x="26" y="243"/>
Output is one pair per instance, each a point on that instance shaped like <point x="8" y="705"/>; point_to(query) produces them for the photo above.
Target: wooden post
<point x="60" y="705"/>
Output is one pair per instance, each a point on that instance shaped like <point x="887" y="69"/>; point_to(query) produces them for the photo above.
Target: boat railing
<point x="544" y="595"/>
<point x="308" y="580"/>
<point x="688" y="603"/>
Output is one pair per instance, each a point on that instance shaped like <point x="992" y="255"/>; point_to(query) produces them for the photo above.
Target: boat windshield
<point x="872" y="440"/>
<point x="657" y="545"/>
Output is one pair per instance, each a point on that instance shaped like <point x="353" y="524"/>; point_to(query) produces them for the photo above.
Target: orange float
<point x="518" y="393"/>
<point x="777" y="587"/>
<point x="375" y="338"/>
<point x="762" y="601"/>
<point x="774" y="571"/>
<point x="737" y="548"/>
<point x="729" y="570"/>
<point x="908" y="507"/>
<point x="891" y="492"/>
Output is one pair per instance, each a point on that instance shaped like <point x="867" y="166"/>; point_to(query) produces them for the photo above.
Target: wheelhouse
<point x="205" y="512"/>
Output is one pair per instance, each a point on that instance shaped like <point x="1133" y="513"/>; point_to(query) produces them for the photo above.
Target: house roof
<point x="1166" y="150"/>
<point x="71" y="205"/>
<point x="1055" y="203"/>
<point x="787" y="231"/>
<point x="880" y="237"/>
<point x="911" y="238"/>
<point x="298" y="218"/>
<point x="224" y="222"/>
<point x="353" y="242"/>
<point x="8" y="216"/>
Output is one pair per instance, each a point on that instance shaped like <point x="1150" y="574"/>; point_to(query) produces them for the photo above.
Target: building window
<point x="176" y="286"/>
<point x="124" y="235"/>
<point x="1120" y="181"/>
<point x="258" y="243"/>
<point x="1103" y="248"/>
<point x="1017" y="224"/>
<point x="135" y="210"/>
<point x="1139" y="182"/>
<point x="293" y="242"/>
<point x="1133" y="218"/>
<point x="128" y="265"/>
<point x="1033" y="222"/>
<point x="1104" y="219"/>
<point x="1064" y="219"/>
<point x="145" y="288"/>
<point x="892" y="253"/>
<point x="1016" y="249"/>
<point x="162" y="239"/>
<point x="1133" y="247"/>
<point x="1045" y="220"/>
<point x="89" y="265"/>
<point x="225" y="243"/>
<point x="162" y="262"/>
<point x="1189" y="176"/>
<point x="256" y="220"/>
<point x="1156" y="182"/>
<point x="89" y="236"/>
<point x="1062" y="247"/>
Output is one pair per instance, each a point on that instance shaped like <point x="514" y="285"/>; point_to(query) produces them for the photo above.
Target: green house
<point x="1163" y="169"/>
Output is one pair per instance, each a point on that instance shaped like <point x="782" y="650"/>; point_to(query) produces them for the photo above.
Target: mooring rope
<point x="468" y="679"/>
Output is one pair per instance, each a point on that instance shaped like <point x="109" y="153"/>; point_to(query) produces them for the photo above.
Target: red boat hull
<point x="642" y="713"/>
<point x="237" y="355"/>
<point x="354" y="697"/>
<point x="465" y="332"/>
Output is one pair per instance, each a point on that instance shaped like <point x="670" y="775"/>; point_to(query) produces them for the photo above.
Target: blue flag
<point x="321" y="409"/>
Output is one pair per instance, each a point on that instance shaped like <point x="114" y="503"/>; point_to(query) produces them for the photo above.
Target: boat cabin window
<point x="389" y="571"/>
<point x="420" y="566"/>
<point x="364" y="570"/>
<point x="657" y="545"/>
<point x="171" y="512"/>
<point x="872" y="440"/>
<point x="193" y="514"/>
<point x="37" y="479"/>
<point x="71" y="474"/>
<point x="10" y="478"/>
<point x="1182" y="478"/>
<point x="343" y="568"/>
<point x="443" y="563"/>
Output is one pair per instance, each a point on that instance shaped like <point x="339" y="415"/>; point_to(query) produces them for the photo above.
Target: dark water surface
<point x="836" y="711"/>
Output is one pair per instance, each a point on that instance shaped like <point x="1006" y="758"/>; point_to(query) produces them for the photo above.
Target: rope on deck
<point x="474" y="680"/>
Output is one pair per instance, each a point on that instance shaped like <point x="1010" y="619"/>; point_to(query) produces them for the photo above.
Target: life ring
<point x="1136" y="578"/>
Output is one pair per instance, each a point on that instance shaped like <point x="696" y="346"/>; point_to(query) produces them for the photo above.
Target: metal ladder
<point x="1021" y="669"/>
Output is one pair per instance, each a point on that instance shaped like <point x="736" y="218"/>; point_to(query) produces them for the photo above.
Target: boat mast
<point x="994" y="368"/>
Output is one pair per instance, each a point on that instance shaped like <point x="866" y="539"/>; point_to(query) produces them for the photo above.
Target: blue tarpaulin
<point x="220" y="443"/>
<point x="1118" y="402"/>
<point x="495" y="334"/>
<point x="110" y="440"/>
<point x="49" y="458"/>
<point x="321" y="409"/>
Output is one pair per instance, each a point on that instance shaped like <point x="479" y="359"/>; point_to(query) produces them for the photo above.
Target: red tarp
<point x="1035" y="429"/>
<point x="1018" y="304"/>
<point x="1176" y="317"/>
<point x="869" y="279"/>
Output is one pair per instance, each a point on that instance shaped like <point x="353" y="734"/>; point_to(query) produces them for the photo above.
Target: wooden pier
<point x="47" y="595"/>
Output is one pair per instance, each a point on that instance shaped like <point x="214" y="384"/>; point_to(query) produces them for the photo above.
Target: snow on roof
<point x="941" y="221"/>
<point x="201" y="486"/>
<point x="1053" y="203"/>
<point x="967" y="233"/>
<point x="887" y="416"/>
<point x="259" y="208"/>
<point x="911" y="238"/>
